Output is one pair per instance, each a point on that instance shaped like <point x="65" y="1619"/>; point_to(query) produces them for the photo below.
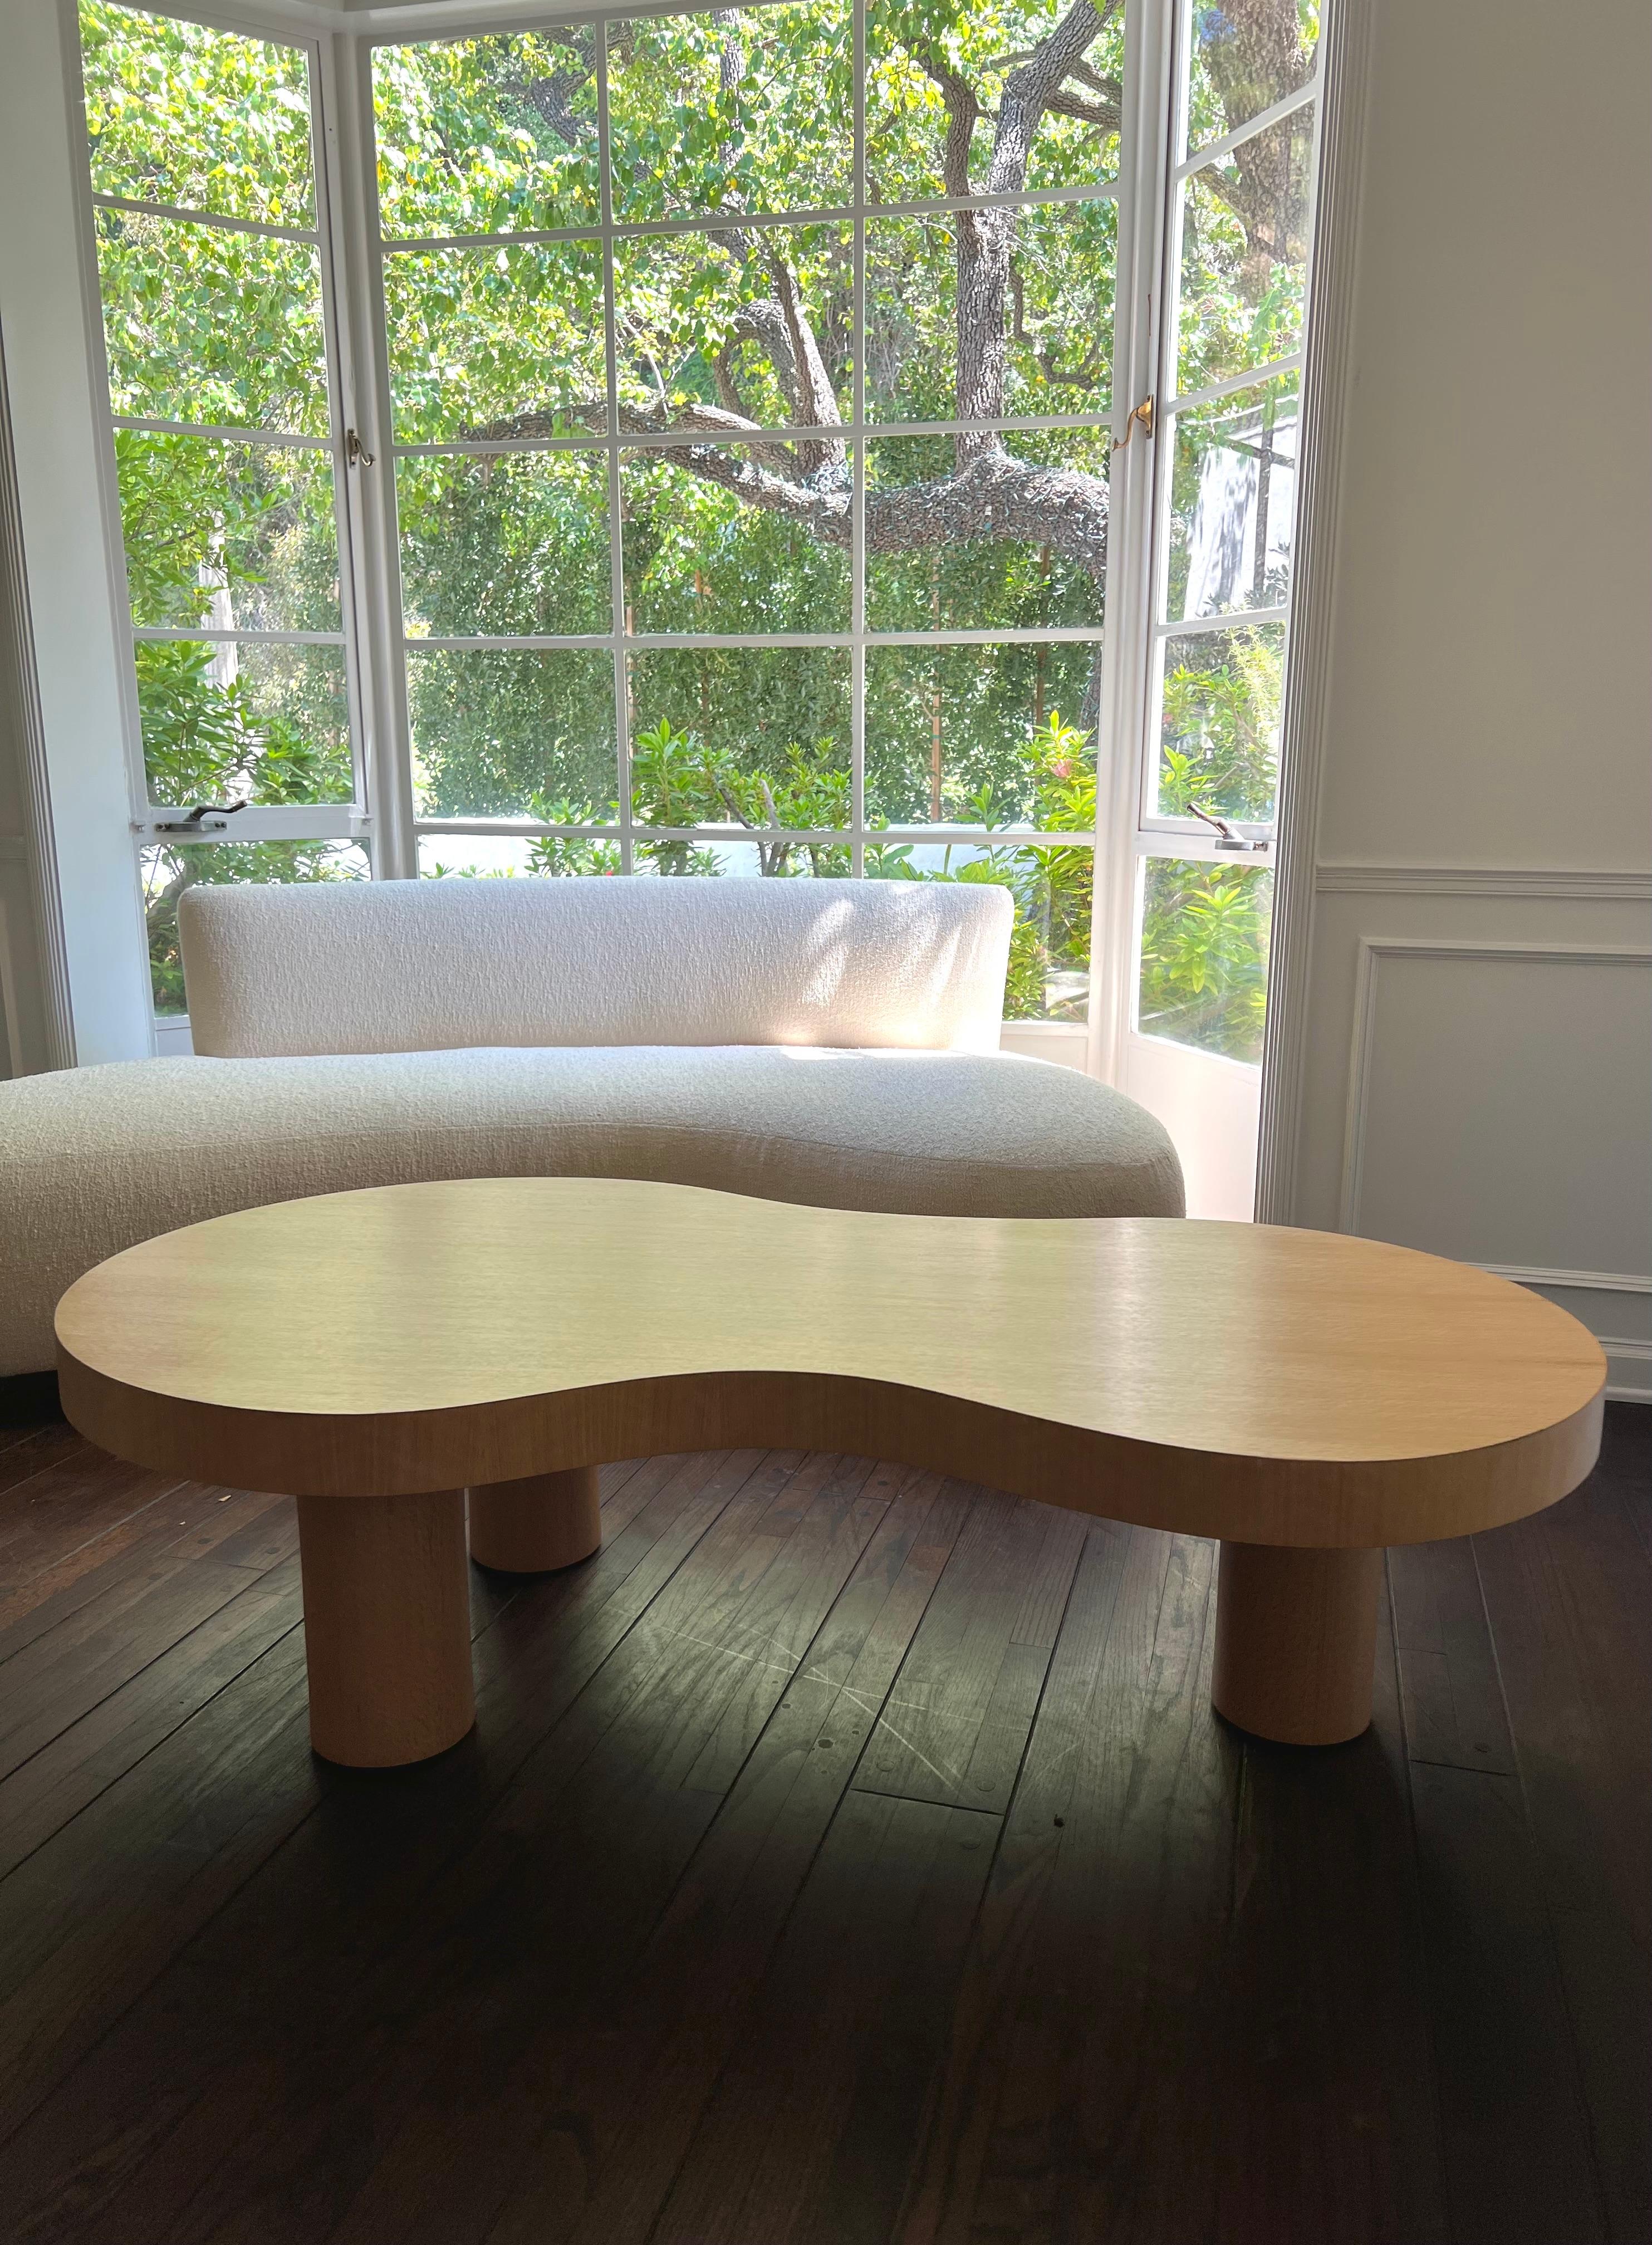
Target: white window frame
<point x="855" y="432"/>
<point x="383" y="815"/>
<point x="1136" y="830"/>
<point x="152" y="822"/>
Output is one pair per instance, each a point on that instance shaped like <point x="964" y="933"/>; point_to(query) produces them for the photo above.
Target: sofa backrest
<point x="428" y="966"/>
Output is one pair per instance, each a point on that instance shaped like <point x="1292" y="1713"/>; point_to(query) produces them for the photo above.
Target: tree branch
<point x="731" y="52"/>
<point x="985" y="238"/>
<point x="1088" y="367"/>
<point x="1030" y="88"/>
<point x="551" y="98"/>
<point x="962" y="111"/>
<point x="1106" y="115"/>
<point x="814" y="402"/>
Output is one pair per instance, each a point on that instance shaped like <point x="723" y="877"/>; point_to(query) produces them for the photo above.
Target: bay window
<point x="813" y="440"/>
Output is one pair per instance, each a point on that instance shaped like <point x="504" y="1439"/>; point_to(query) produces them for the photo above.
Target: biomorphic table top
<point x="1273" y="1388"/>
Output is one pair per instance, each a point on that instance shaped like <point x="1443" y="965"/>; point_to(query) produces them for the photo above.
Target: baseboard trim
<point x="28" y="1399"/>
<point x="1628" y="1369"/>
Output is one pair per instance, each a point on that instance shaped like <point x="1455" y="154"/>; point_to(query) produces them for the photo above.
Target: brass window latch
<point x="1142" y="419"/>
<point x="355" y="453"/>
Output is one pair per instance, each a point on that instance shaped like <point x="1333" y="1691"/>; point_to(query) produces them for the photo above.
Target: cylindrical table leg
<point x="545" y="1521"/>
<point x="386" y="1626"/>
<point x="1295" y="1642"/>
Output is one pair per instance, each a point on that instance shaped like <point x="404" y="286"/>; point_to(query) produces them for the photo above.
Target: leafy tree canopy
<point x="722" y="333"/>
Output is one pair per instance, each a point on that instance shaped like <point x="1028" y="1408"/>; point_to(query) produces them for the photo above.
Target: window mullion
<point x="1148" y="83"/>
<point x="616" y="526"/>
<point x="369" y="559"/>
<point x="858" y="502"/>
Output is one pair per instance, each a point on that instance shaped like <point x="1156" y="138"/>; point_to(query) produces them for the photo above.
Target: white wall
<point x="1480" y="988"/>
<point x="58" y="452"/>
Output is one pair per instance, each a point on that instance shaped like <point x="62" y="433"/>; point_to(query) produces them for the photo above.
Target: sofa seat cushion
<point x="93" y="1160"/>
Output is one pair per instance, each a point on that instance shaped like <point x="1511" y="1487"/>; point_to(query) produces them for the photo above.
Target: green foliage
<point x="438" y="174"/>
<point x="502" y="543"/>
<point x="494" y="726"/>
<point x="170" y="870"/>
<point x="1221" y="726"/>
<point x="557" y="854"/>
<point x="906" y="116"/>
<point x="967" y="584"/>
<point x="698" y="559"/>
<point x="1050" y="882"/>
<point x="1244" y="284"/>
<point x="730" y="112"/>
<point x="204" y="523"/>
<point x="179" y="114"/>
<point x="1204" y="954"/>
<point x="677" y="779"/>
<point x="737" y="113"/>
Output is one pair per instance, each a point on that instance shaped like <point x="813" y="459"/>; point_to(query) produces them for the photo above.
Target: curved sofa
<point x="832" y="1044"/>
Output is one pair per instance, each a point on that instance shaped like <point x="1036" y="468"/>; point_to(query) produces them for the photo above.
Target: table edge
<point x="1317" y="1503"/>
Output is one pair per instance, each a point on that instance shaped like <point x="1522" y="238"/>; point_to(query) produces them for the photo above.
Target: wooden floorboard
<point x="843" y="1854"/>
<point x="1568" y="1606"/>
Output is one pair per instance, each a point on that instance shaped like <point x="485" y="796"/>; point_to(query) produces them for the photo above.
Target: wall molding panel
<point x="1349" y="877"/>
<point x="1373" y="951"/>
<point x="1588" y="1282"/>
<point x="1328" y="386"/>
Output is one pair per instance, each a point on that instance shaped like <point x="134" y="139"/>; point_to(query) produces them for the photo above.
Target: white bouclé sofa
<point x="832" y="1044"/>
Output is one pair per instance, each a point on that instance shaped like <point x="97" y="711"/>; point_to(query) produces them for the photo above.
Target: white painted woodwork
<point x="54" y="366"/>
<point x="1462" y="1066"/>
<point x="1209" y="1105"/>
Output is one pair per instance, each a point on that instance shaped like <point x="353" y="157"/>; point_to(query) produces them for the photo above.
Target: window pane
<point x="738" y="737"/>
<point x="935" y="313"/>
<point x="717" y="858"/>
<point x="1244" y="60"/>
<point x="744" y="110"/>
<point x="502" y="734"/>
<point x="1219" y="736"/>
<point x="1049" y="969"/>
<point x="238" y="721"/>
<point x="506" y="857"/>
<point x="486" y="136"/>
<point x="236" y="536"/>
<point x="171" y="868"/>
<point x="1204" y="954"/>
<point x="503" y="543"/>
<point x="982" y="736"/>
<point x="735" y="539"/>
<point x="207" y="326"/>
<point x="496" y="343"/>
<point x="700" y="319"/>
<point x="1016" y="534"/>
<point x="1233" y="502"/>
<point x="1244" y="254"/>
<point x="975" y="47"/>
<point x="203" y="120"/>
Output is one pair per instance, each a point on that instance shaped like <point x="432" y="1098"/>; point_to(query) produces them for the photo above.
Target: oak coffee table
<point x="1306" y="1397"/>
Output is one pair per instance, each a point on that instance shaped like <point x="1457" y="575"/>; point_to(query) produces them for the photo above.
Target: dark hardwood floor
<point x="843" y="1854"/>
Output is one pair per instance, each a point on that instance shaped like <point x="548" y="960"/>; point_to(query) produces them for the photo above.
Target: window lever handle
<point x="1226" y="838"/>
<point x="204" y="818"/>
<point x="1140" y="418"/>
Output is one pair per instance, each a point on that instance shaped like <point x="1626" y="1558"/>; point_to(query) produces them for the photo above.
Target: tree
<point x="772" y="350"/>
<point x="978" y="314"/>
